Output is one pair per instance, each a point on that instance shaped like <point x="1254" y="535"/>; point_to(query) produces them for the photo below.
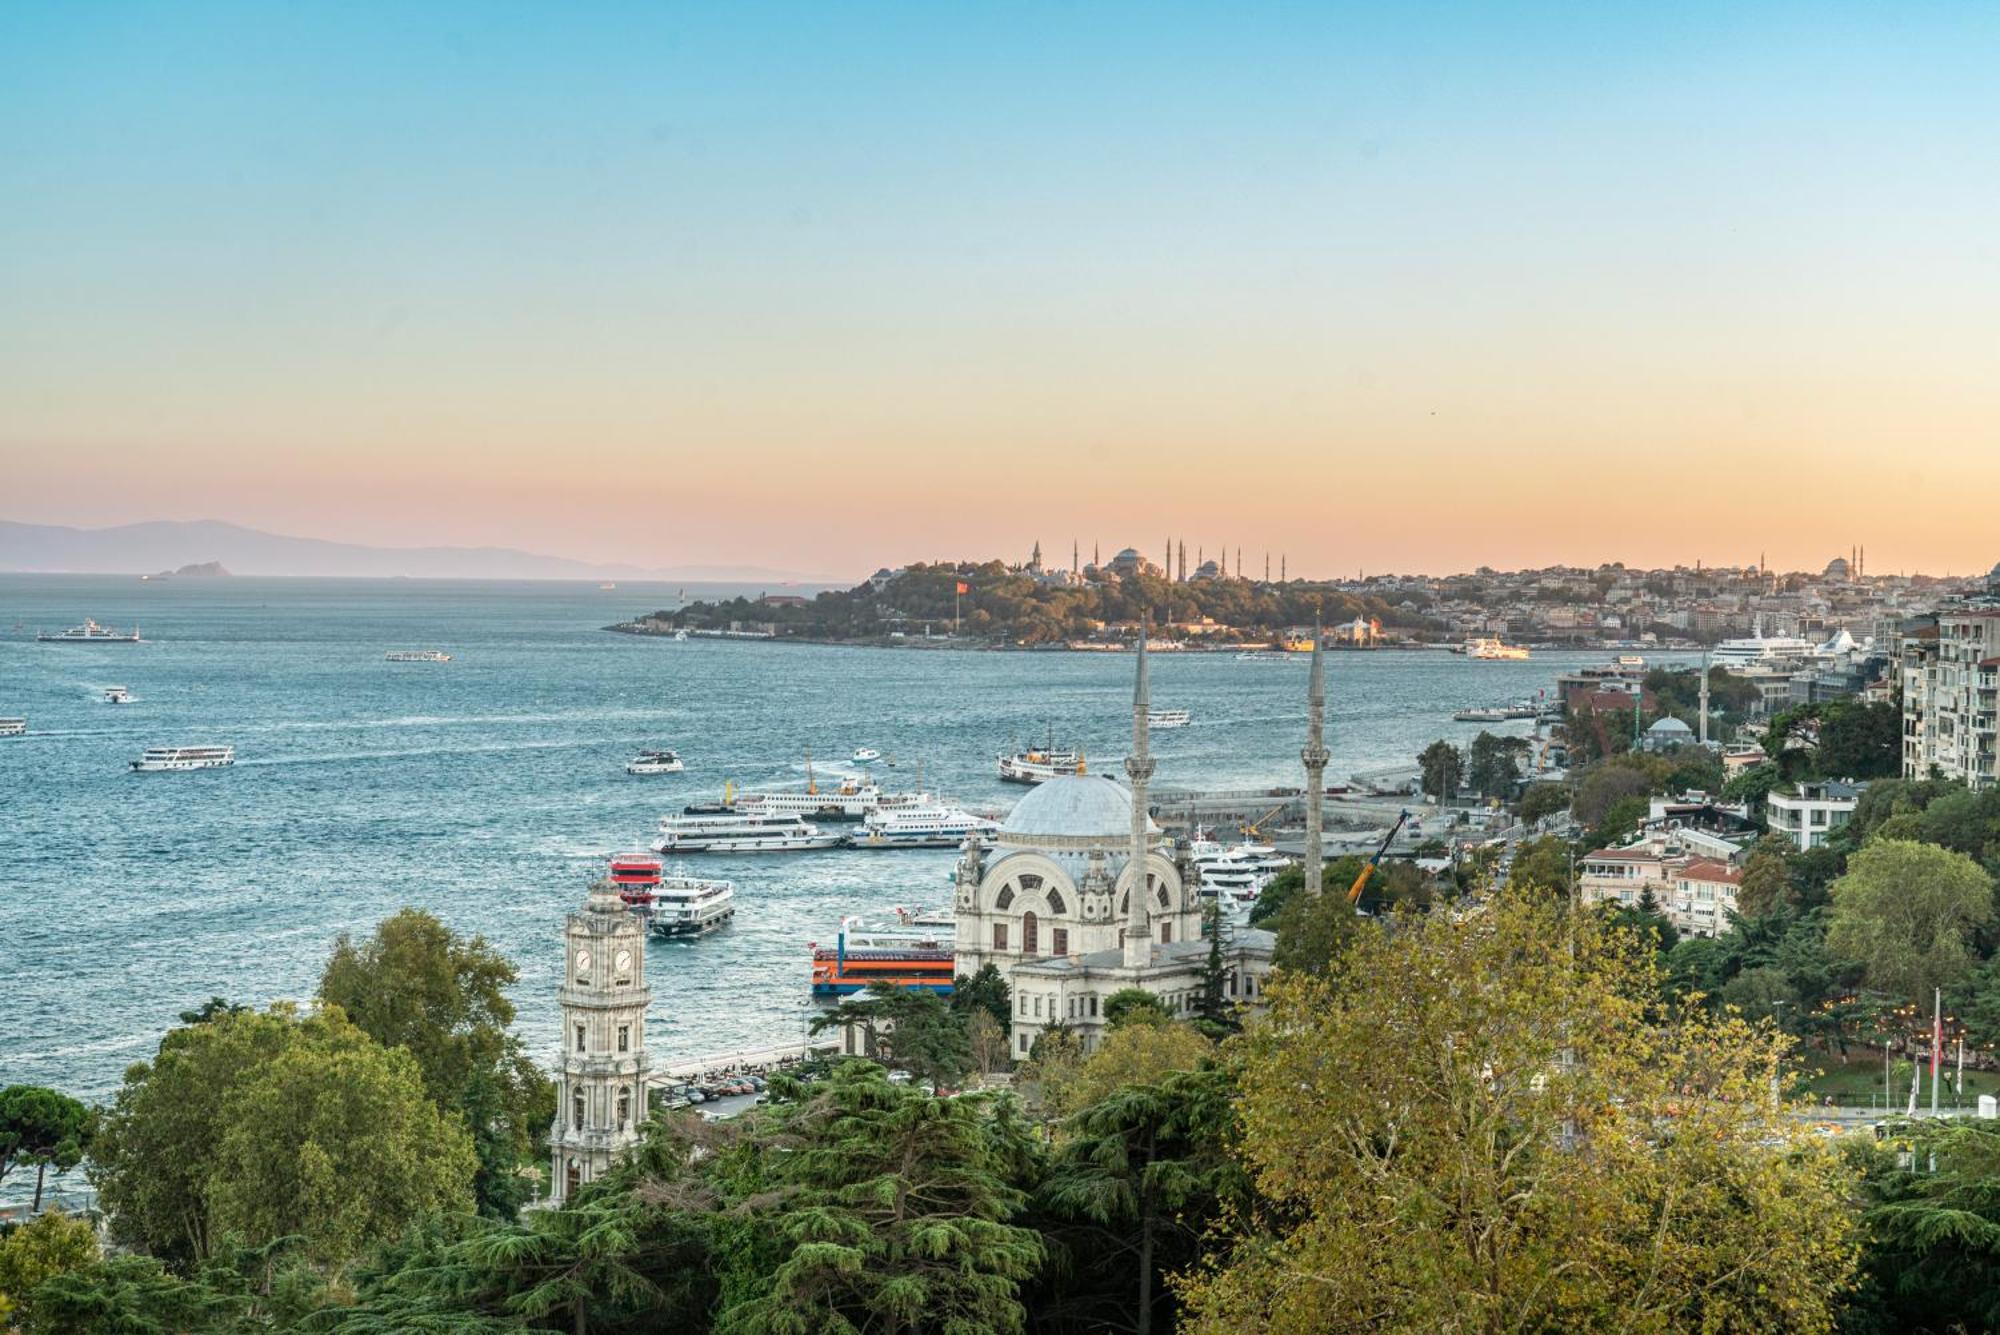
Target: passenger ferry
<point x="91" y="633"/>
<point x="158" y="758"/>
<point x="1759" y="648"/>
<point x="117" y="695"/>
<point x="686" y="907"/>
<point x="1265" y="656"/>
<point x="1494" y="650"/>
<point x="655" y="762"/>
<point x="900" y="956"/>
<point x="739" y="832"/>
<point x="417" y="656"/>
<point x="923" y="827"/>
<point x="1483" y="714"/>
<point x="1167" y="718"/>
<point x="1039" y="765"/>
<point x="849" y="802"/>
<point x="637" y="877"/>
<point x="13" y="727"/>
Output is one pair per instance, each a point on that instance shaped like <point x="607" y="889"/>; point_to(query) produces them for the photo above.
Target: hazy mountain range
<point x="170" y="544"/>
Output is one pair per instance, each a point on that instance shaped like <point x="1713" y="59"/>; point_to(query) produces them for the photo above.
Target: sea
<point x="490" y="790"/>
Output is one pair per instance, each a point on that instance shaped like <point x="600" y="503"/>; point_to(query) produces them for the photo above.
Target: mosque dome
<point x="1073" y="806"/>
<point x="1836" y="568"/>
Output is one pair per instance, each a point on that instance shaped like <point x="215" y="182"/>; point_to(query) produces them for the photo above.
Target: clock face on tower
<point x="582" y="963"/>
<point x="624" y="962"/>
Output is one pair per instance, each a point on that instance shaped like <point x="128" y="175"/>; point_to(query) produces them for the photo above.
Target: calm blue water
<point x="490" y="789"/>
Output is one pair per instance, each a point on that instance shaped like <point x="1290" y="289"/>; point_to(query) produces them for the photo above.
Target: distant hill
<point x="172" y="544"/>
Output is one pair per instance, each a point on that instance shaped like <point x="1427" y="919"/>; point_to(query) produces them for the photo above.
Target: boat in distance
<point x="865" y="754"/>
<point x="923" y="827"/>
<point x="1265" y="656"/>
<point x="1167" y="718"/>
<point x="741" y="832"/>
<point x="1039" y="765"/>
<point x="655" y="762"/>
<point x="91" y="633"/>
<point x="159" y="759"/>
<point x="117" y="695"/>
<point x="417" y="656"/>
<point x="675" y="907"/>
<point x="13" y="727"/>
<point x="1492" y="650"/>
<point x="913" y="953"/>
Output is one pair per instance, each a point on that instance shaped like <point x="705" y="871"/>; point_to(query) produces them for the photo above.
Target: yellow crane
<point x="1368" y="867"/>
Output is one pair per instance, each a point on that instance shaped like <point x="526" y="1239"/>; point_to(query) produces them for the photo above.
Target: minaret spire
<point x="1138" y="769"/>
<point x="1315" y="757"/>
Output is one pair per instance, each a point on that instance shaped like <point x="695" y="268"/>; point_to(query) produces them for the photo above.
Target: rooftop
<point x="1089" y="806"/>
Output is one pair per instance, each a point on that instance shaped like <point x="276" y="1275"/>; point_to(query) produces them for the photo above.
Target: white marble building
<point x="601" y="1084"/>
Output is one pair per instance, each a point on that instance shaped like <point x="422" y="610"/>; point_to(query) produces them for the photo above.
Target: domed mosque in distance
<point x="1052" y="906"/>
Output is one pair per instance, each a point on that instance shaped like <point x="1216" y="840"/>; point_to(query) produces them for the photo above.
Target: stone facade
<point x="601" y="1083"/>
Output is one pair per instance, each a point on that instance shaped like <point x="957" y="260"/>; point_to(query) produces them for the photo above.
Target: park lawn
<point x="1857" y="1082"/>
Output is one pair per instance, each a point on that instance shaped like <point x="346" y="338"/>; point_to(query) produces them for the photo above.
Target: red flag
<point x="963" y="587"/>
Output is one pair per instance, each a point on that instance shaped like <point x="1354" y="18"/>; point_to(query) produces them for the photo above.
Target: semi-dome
<point x="1087" y="806"/>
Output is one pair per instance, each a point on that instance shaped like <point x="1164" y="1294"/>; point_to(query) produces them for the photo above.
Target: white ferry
<point x="1759" y="649"/>
<point x="1167" y="718"/>
<point x="685" y="906"/>
<point x="739" y="832"/>
<point x="158" y="758"/>
<point x="655" y="762"/>
<point x="1039" y="765"/>
<point x="1264" y="656"/>
<point x="865" y="754"/>
<point x="417" y="656"/>
<point x="13" y="727"/>
<point x="117" y="695"/>
<point x="91" y="633"/>
<point x="1494" y="650"/>
<point x="849" y="802"/>
<point x="923" y="827"/>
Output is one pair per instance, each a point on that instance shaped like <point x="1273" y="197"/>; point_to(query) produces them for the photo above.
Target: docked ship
<point x="740" y="832"/>
<point x="161" y="758"/>
<point x="1238" y="871"/>
<point x="1493" y="650"/>
<point x="676" y="907"/>
<point x="1039" y="765"/>
<point x="1759" y="648"/>
<point x="417" y="656"/>
<point x="851" y="801"/>
<point x="13" y="727"/>
<point x="916" y="952"/>
<point x="91" y="633"/>
<point x="655" y="762"/>
<point x="922" y="827"/>
<point x="1167" y="718"/>
<point x="117" y="695"/>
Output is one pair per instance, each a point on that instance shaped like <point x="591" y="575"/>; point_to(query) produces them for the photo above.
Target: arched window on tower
<point x="1030" y="939"/>
<point x="572" y="1178"/>
<point x="624" y="1105"/>
<point x="576" y="1111"/>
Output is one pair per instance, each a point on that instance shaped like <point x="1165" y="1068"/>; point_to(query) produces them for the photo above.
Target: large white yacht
<point x="13" y="727"/>
<point x="740" y="832"/>
<point x="91" y="633"/>
<point x="923" y="827"/>
<point x="1759" y="649"/>
<point x="686" y="906"/>
<point x="117" y="695"/>
<point x="1167" y="718"/>
<point x="160" y="758"/>
<point x="655" y="762"/>
<point x="417" y="656"/>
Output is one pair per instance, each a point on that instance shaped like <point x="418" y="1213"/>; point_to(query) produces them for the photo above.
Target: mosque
<point x="1053" y="905"/>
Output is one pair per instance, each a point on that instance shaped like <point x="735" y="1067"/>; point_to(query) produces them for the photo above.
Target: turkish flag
<point x="963" y="587"/>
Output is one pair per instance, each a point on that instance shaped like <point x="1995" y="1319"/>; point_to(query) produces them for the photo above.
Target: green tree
<point x="1542" y="866"/>
<point x="1485" y="1122"/>
<point x="1312" y="931"/>
<point x="1543" y="800"/>
<point x="1860" y="741"/>
<point x="125" y="1295"/>
<point x="907" y="1029"/>
<point x="417" y="985"/>
<point x="1134" y="1005"/>
<point x="1906" y="913"/>
<point x="1494" y="763"/>
<point x="984" y="990"/>
<point x="1443" y="769"/>
<point x="1604" y="787"/>
<point x="1136" y="1054"/>
<point x="51" y="1243"/>
<point x="44" y="1128"/>
<point x="1932" y="1230"/>
<point x="1767" y="879"/>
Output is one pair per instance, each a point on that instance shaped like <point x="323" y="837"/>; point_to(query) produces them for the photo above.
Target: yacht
<point x="864" y="754"/>
<point x="1264" y="656"/>
<point x="117" y="695"/>
<point x="1758" y="648"/>
<point x="923" y="827"/>
<point x="13" y="727"/>
<point x="1167" y="718"/>
<point x="655" y="762"/>
<point x="159" y="758"/>
<point x="1039" y="764"/>
<point x="91" y="633"/>
<point x="739" y="832"/>
<point x="1494" y="650"/>
<point x="417" y="656"/>
<point x="685" y="906"/>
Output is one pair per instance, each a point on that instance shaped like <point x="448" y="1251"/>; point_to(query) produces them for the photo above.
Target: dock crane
<point x="1368" y="867"/>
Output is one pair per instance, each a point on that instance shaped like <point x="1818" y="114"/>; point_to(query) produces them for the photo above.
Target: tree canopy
<point x="1907" y="912"/>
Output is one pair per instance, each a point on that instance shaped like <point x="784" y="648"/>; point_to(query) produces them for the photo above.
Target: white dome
<point x="1076" y="805"/>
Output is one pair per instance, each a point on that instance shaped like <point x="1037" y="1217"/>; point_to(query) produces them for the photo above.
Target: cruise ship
<point x="740" y="832"/>
<point x="655" y="762"/>
<point x="1494" y="650"/>
<point x="1759" y="649"/>
<point x="1168" y="718"/>
<point x="1039" y="765"/>
<point x="923" y="827"/>
<point x="160" y="758"/>
<point x="13" y="727"/>
<point x="417" y="656"/>
<point x="91" y="633"/>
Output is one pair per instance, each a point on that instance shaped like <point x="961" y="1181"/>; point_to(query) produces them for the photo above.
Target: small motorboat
<point x="865" y="754"/>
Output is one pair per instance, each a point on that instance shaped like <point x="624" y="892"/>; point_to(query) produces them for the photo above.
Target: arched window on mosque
<point x="1056" y="904"/>
<point x="1031" y="882"/>
<point x="1004" y="898"/>
<point x="1030" y="938"/>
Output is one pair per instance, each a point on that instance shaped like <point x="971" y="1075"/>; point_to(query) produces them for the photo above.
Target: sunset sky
<point x="834" y="285"/>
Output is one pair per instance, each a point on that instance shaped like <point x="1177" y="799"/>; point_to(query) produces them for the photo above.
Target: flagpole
<point x="1937" y="1042"/>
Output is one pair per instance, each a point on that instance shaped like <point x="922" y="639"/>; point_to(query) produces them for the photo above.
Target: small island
<point x="200" y="569"/>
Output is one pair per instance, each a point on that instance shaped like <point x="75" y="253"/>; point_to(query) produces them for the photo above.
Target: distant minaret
<point x="1075" y="564"/>
<point x="1183" y="578"/>
<point x="1096" y="557"/>
<point x="1167" y="568"/>
<point x="1282" y="577"/>
<point x="1267" y="567"/>
<point x="1138" y="769"/>
<point x="1239" y="563"/>
<point x="1035" y="559"/>
<point x="1225" y="560"/>
<point x="1704" y="699"/>
<point x="1315" y="757"/>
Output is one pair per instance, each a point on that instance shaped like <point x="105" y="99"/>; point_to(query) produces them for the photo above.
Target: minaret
<point x="1138" y="769"/>
<point x="1224" y="559"/>
<point x="1283" y="578"/>
<point x="1315" y="757"/>
<point x="601" y="1084"/>
<point x="1075" y="552"/>
<point x="1704" y="699"/>
<point x="1267" y="567"/>
<point x="1183" y="578"/>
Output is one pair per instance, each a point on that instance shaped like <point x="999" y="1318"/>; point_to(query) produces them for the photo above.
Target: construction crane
<point x="1368" y="867"/>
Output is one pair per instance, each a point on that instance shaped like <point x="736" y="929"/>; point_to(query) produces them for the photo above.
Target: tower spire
<point x="1138" y="769"/>
<point x="1315" y="757"/>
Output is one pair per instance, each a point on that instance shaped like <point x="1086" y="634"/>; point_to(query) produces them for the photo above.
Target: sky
<point x="824" y="287"/>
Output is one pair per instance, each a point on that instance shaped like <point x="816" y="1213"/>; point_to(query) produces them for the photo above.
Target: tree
<point x="1137" y="1054"/>
<point x="1860" y="741"/>
<point x="1767" y="879"/>
<point x="41" y="1127"/>
<point x="123" y="1294"/>
<point x="908" y="1029"/>
<point x="1443" y="767"/>
<point x="1604" y="787"/>
<point x="1134" y="1005"/>
<point x="1906" y="913"/>
<point x="1494" y="763"/>
<point x="1214" y="1011"/>
<point x="1542" y="866"/>
<point x="985" y="990"/>
<point x="1931" y="1229"/>
<point x="417" y="985"/>
<point x="1485" y="1122"/>
<point x="987" y="1042"/>
<point x="1312" y="931"/>
<point x="1543" y="800"/>
<point x="51" y="1243"/>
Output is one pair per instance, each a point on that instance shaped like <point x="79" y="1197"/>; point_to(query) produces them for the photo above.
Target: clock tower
<point x="601" y="1083"/>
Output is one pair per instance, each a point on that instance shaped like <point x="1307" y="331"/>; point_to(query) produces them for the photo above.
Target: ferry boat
<point x="117" y="695"/>
<point x="1758" y="648"/>
<point x="686" y="906"/>
<point x="923" y="827"/>
<point x="865" y="754"/>
<point x="13" y="727"/>
<point x="1265" y="656"/>
<point x="849" y="802"/>
<point x="1167" y="718"/>
<point x="417" y="656"/>
<point x="899" y="956"/>
<point x="655" y="762"/>
<point x="1494" y="650"/>
<point x="91" y="633"/>
<point x="637" y="876"/>
<point x="1039" y="764"/>
<point x="160" y="758"/>
<point x="1482" y="714"/>
<point x="741" y="832"/>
